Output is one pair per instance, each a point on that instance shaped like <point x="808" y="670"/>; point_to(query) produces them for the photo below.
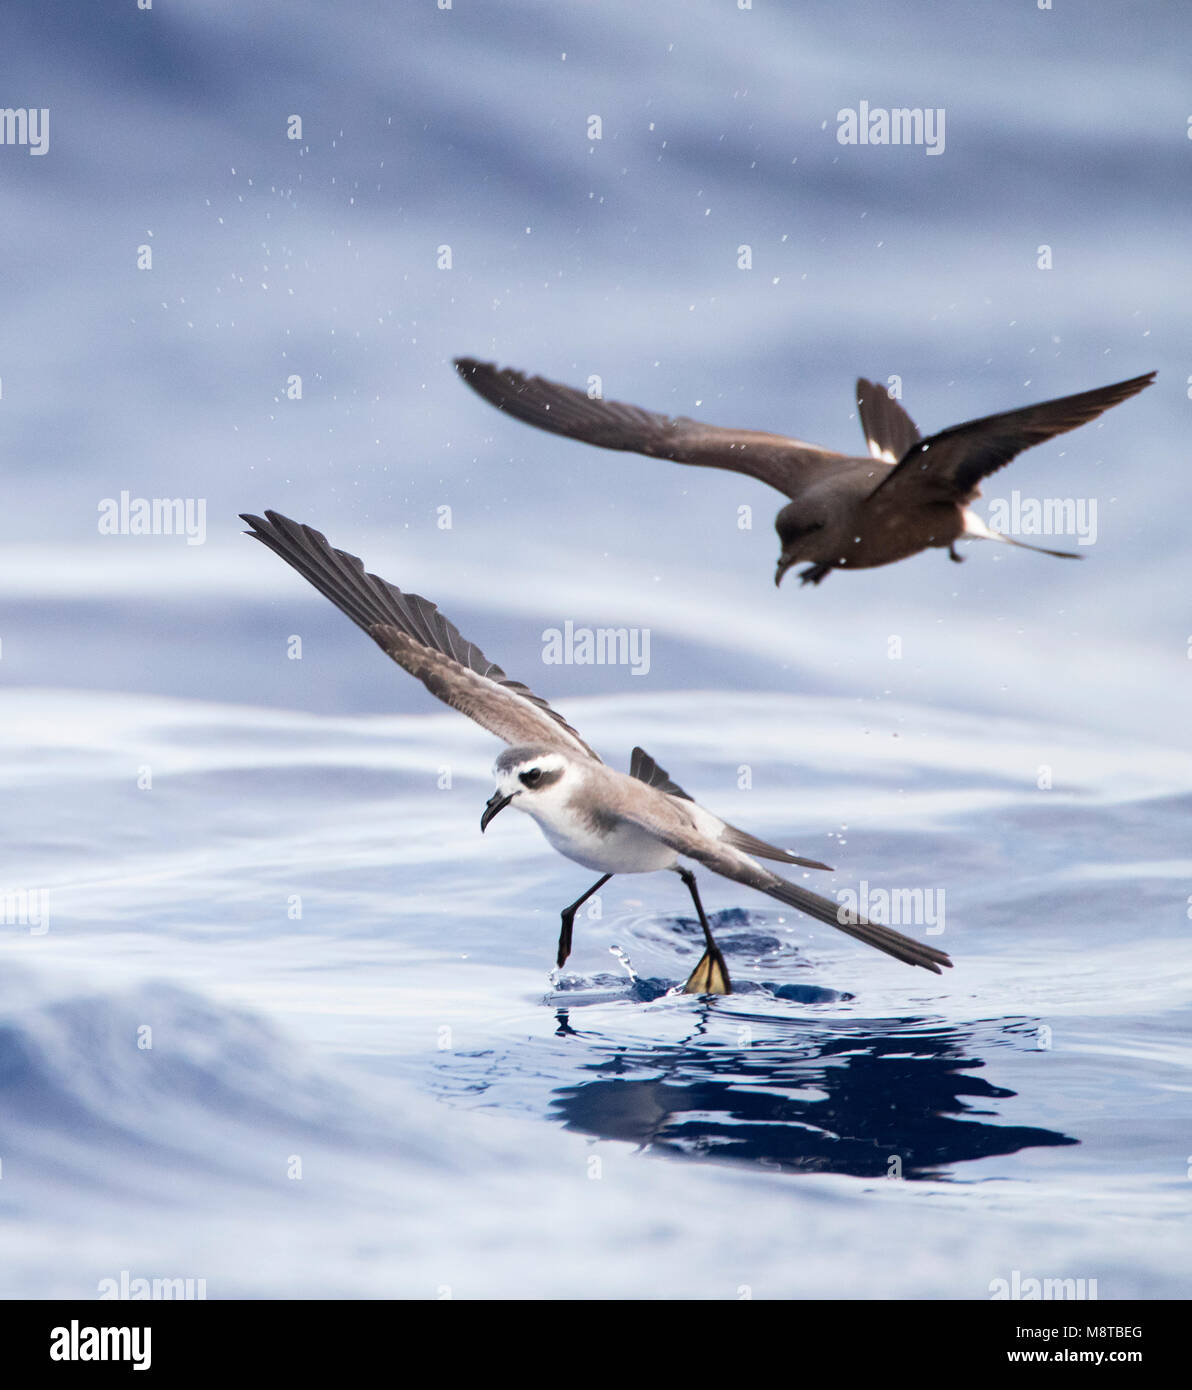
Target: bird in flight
<point x="845" y="511"/>
<point x="610" y="822"/>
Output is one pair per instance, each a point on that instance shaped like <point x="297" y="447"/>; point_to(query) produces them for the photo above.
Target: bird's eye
<point x="530" y="778"/>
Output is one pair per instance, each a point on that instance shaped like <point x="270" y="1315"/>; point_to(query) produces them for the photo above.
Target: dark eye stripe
<point x="537" y="777"/>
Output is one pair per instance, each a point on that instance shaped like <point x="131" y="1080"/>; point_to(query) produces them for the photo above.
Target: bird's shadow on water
<point x="897" y="1099"/>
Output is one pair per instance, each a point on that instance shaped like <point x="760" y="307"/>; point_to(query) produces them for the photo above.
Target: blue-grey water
<point x="273" y="1014"/>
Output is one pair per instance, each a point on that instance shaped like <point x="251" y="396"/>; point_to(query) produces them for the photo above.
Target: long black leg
<point x="952" y="555"/>
<point x="710" y="976"/>
<point x="569" y="918"/>
<point x="816" y="574"/>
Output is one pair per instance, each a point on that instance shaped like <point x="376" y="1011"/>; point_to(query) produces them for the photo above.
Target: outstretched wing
<point x="645" y="769"/>
<point x="889" y="430"/>
<point x="949" y="465"/>
<point x="418" y="637"/>
<point x="782" y="463"/>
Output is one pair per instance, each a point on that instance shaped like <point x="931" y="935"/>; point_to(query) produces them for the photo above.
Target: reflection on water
<point x="875" y="1101"/>
<point x="746" y="1078"/>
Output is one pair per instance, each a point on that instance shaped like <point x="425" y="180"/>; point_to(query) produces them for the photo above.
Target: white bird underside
<point x="625" y="848"/>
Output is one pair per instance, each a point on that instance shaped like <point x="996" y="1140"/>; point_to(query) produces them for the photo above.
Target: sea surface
<point x="274" y="1015"/>
<point x="294" y="947"/>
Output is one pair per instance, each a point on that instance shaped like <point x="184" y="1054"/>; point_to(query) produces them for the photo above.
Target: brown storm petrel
<point x="845" y="512"/>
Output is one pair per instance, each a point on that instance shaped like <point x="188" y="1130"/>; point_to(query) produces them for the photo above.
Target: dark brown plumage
<point x="845" y="512"/>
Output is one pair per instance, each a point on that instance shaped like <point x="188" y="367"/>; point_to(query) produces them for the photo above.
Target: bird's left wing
<point x="889" y="430"/>
<point x="949" y="465"/>
<point x="419" y="638"/>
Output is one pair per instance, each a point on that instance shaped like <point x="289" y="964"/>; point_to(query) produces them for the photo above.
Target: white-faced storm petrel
<point x="610" y="822"/>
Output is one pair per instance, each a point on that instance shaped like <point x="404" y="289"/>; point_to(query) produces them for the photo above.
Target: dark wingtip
<point x="265" y="529"/>
<point x="1139" y="383"/>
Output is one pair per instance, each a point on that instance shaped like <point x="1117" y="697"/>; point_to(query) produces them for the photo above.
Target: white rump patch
<point x="974" y="526"/>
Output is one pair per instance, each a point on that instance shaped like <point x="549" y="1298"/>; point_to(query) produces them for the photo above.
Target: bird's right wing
<point x="889" y="430"/>
<point x="418" y="637"/>
<point x="782" y="463"/>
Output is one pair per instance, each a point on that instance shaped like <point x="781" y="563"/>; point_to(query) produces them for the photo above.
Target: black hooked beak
<point x="783" y="565"/>
<point x="495" y="803"/>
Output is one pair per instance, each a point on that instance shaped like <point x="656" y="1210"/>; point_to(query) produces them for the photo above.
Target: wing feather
<point x="951" y="464"/>
<point x="782" y="463"/>
<point x="889" y="430"/>
<point x="412" y="631"/>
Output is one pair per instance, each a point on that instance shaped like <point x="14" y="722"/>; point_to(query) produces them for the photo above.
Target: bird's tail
<point x="852" y="924"/>
<point x="1040" y="549"/>
<point x="974" y="526"/>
